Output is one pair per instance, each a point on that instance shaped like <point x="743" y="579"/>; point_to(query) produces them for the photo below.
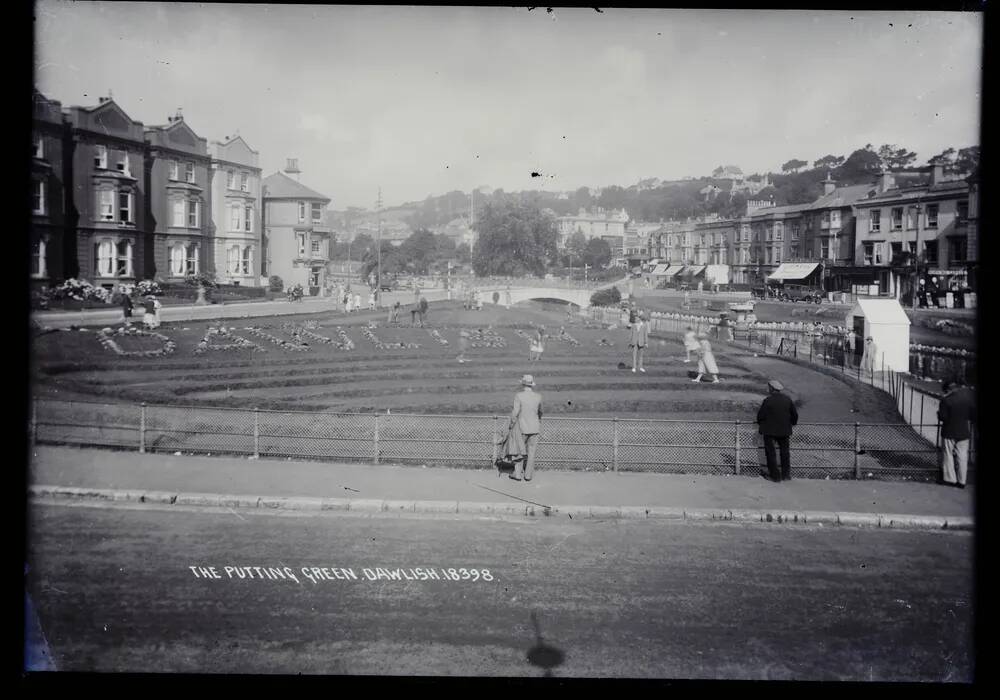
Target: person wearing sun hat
<point x="706" y="361"/>
<point x="527" y="414"/>
<point x="776" y="416"/>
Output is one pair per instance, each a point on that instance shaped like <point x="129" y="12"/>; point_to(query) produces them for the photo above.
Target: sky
<point x="425" y="100"/>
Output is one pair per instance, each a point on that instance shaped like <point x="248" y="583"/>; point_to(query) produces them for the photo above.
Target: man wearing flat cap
<point x="527" y="414"/>
<point x="776" y="417"/>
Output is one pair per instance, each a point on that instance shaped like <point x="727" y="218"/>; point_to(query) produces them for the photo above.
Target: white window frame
<point x="191" y="262"/>
<point x="193" y="209"/>
<point x="892" y="219"/>
<point x="824" y="248"/>
<point x="244" y="181"/>
<point x="868" y="253"/>
<point x="178" y="213"/>
<point x="875" y="222"/>
<point x="248" y="218"/>
<point x="189" y="172"/>
<point x="301" y="244"/>
<point x="177" y="259"/>
<point x="125" y="271"/>
<point x="932" y="223"/>
<point x="38" y="268"/>
<point x="173" y="170"/>
<point x="235" y="222"/>
<point x="39" y="142"/>
<point x="39" y="192"/>
<point x="315" y="246"/>
<point x="106" y="204"/>
<point x="302" y="212"/>
<point x="233" y="259"/>
<point x="122" y="164"/>
<point x="246" y="261"/>
<point x="128" y="209"/>
<point x="101" y="157"/>
<point x="879" y="254"/>
<point x="105" y="253"/>
<point x="230" y="179"/>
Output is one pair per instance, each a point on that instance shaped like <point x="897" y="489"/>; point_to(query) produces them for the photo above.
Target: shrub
<point x="606" y="297"/>
<point x="205" y="279"/>
<point x="275" y="283"/>
<point x="496" y="297"/>
<point x="147" y="287"/>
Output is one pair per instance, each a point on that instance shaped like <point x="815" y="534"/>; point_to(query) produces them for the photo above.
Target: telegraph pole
<point x="378" y="249"/>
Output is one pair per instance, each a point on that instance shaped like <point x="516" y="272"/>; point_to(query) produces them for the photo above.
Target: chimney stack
<point x="886" y="181"/>
<point x="829" y="185"/>
<point x="293" y="167"/>
<point x="937" y="173"/>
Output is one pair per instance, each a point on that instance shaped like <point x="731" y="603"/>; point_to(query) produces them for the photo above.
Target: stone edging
<point x="862" y="520"/>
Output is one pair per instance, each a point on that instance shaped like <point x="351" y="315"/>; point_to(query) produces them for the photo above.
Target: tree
<point x="829" y="162"/>
<point x="575" y="246"/>
<point x="894" y="158"/>
<point x="419" y="251"/>
<point x="393" y="260"/>
<point x="794" y="165"/>
<point x="718" y="172"/>
<point x="514" y="239"/>
<point x="597" y="253"/>
<point x="967" y="160"/>
<point x="606" y="297"/>
<point x="444" y="246"/>
<point x="360" y="245"/>
<point x="945" y="158"/>
<point x="862" y="165"/>
<point x="463" y="252"/>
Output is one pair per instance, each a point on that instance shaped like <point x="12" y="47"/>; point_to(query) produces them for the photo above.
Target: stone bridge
<point x="580" y="297"/>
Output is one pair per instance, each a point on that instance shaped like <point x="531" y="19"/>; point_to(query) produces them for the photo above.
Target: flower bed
<point x="367" y="332"/>
<point x="437" y="336"/>
<point x="937" y="350"/>
<point x="567" y="338"/>
<point x="107" y="338"/>
<point x="280" y="342"/>
<point x="486" y="339"/>
<point x="236" y="342"/>
<point x="345" y="341"/>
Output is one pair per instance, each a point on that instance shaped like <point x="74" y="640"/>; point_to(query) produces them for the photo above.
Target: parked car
<point x="796" y="292"/>
<point x="389" y="285"/>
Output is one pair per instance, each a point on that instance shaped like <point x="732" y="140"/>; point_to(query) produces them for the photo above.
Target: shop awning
<point x="793" y="271"/>
<point x="672" y="270"/>
<point x="660" y="270"/>
<point x="693" y="270"/>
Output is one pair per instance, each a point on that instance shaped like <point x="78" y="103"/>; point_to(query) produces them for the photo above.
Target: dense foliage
<point x="514" y="239"/>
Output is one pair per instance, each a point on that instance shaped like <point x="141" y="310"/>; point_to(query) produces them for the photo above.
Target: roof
<point x="881" y="311"/>
<point x="793" y="271"/>
<point x="842" y="197"/>
<point x="280" y="186"/>
<point x="786" y="209"/>
<point x="942" y="189"/>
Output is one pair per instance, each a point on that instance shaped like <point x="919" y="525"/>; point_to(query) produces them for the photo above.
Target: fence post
<point x="737" y="444"/>
<point x="857" y="450"/>
<point x="256" y="433"/>
<point x="376" y="438"/>
<point x="142" y="427"/>
<point x="496" y="434"/>
<point x="614" y="456"/>
<point x="921" y="431"/>
<point x="810" y="352"/>
<point x="34" y="420"/>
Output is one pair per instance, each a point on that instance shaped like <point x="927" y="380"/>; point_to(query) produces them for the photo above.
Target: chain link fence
<point x="818" y="450"/>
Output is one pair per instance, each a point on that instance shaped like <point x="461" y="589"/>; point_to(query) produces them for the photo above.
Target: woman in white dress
<point x="357" y="301"/>
<point x="690" y="343"/>
<point x="706" y="363"/>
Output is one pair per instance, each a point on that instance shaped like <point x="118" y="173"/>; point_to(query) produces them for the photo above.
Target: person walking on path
<point x="127" y="309"/>
<point x="357" y="301"/>
<point x="956" y="411"/>
<point x="638" y="340"/>
<point x="371" y="300"/>
<point x="527" y="414"/>
<point x="776" y="416"/>
<point x="706" y="362"/>
<point x="690" y="343"/>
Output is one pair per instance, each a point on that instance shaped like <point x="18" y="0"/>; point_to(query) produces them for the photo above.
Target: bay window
<point x="172" y="170"/>
<point x="38" y="197"/>
<point x="315" y="246"/>
<point x="177" y="259"/>
<point x="248" y="219"/>
<point x="38" y="258"/>
<point x="123" y="251"/>
<point x="234" y="217"/>
<point x="106" y="208"/>
<point x="233" y="259"/>
<point x="247" y="260"/>
<point x="178" y="210"/>
<point x="192" y="259"/>
<point x="245" y="182"/>
<point x="125" y="207"/>
<point x="189" y="172"/>
<point x="101" y="157"/>
<point x="104" y="258"/>
<point x="192" y="214"/>
<point x="230" y="180"/>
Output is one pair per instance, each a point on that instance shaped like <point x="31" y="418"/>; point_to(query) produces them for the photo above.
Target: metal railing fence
<point x="858" y="450"/>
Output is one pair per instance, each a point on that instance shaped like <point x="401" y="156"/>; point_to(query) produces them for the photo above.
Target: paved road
<point x="115" y="592"/>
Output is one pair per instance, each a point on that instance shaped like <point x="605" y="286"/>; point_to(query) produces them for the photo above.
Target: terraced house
<point x="296" y="232"/>
<point x="48" y="216"/>
<point x="178" y="171"/>
<point x="107" y="237"/>
<point x="236" y="211"/>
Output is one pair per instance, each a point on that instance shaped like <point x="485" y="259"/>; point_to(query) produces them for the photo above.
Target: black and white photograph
<point x="502" y="342"/>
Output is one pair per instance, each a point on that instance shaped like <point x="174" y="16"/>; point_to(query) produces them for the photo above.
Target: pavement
<point x="240" y="482"/>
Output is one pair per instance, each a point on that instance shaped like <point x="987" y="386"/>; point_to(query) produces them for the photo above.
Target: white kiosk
<point x="885" y="322"/>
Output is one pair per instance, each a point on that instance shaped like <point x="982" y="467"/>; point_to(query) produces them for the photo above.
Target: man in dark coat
<point x="776" y="417"/>
<point x="956" y="411"/>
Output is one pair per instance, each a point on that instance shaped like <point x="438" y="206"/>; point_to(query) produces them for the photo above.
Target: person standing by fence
<point x="776" y="416"/>
<point x="638" y="340"/>
<point x="527" y="413"/>
<point x="956" y="411"/>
